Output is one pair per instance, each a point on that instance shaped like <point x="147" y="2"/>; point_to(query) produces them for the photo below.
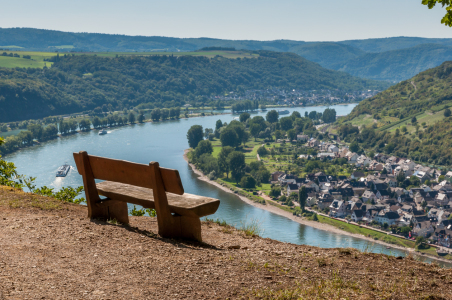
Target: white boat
<point x="63" y="170"/>
<point x="102" y="132"/>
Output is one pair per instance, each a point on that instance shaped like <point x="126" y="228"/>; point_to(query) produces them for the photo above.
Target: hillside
<point x="54" y="251"/>
<point x="84" y="82"/>
<point x="396" y="65"/>
<point x="332" y="55"/>
<point x="387" y="124"/>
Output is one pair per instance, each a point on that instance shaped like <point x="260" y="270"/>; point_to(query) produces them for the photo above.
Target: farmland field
<point x="37" y="58"/>
<point x="36" y="61"/>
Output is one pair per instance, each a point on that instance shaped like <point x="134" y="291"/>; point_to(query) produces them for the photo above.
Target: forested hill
<point x="396" y="65"/>
<point x="411" y="119"/>
<point x="370" y="58"/>
<point x="80" y="83"/>
<point x="407" y="98"/>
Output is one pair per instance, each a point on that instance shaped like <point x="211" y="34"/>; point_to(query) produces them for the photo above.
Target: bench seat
<point x="184" y="205"/>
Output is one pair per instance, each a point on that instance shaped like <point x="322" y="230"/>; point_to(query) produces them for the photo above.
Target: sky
<point x="307" y="20"/>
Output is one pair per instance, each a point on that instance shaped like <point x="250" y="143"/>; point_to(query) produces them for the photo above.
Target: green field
<point x="37" y="58"/>
<point x="36" y="61"/>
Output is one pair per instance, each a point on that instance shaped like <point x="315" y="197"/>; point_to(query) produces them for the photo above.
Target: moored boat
<point x="283" y="112"/>
<point x="102" y="132"/>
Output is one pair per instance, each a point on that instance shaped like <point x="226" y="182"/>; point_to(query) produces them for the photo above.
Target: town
<point x="387" y="192"/>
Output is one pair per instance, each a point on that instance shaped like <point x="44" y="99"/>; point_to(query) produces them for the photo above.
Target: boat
<point x="441" y="252"/>
<point x="102" y="132"/>
<point x="63" y="170"/>
<point x="283" y="112"/>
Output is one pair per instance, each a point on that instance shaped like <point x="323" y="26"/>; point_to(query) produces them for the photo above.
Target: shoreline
<point x="314" y="224"/>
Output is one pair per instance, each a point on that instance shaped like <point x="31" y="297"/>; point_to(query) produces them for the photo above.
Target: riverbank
<point x="318" y="225"/>
<point x="51" y="250"/>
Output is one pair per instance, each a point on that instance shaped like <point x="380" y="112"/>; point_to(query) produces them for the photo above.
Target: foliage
<point x="247" y="182"/>
<point x="275" y="192"/>
<point x="262" y="151"/>
<point x="204" y="146"/>
<point x="447" y="19"/>
<point x="272" y="116"/>
<point x="244" y="117"/>
<point x="194" y="135"/>
<point x="329" y="115"/>
<point x="302" y="197"/>
<point x="223" y="163"/>
<point x="137" y="212"/>
<point x="236" y="162"/>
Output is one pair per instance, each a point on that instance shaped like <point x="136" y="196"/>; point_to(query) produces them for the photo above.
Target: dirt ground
<point x="51" y="250"/>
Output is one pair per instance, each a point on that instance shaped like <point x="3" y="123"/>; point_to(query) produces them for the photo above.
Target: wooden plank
<point x="184" y="205"/>
<point x="130" y="173"/>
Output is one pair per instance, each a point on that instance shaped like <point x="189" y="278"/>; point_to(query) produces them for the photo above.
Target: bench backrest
<point x="130" y="173"/>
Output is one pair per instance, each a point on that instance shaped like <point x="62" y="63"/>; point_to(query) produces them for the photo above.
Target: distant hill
<point x="84" y="82"/>
<point x="387" y="124"/>
<point x="352" y="56"/>
<point x="396" y="65"/>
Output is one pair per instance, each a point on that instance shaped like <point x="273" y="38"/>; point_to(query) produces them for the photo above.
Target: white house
<point x="389" y="217"/>
<point x="337" y="208"/>
<point x="369" y="195"/>
<point x="357" y="215"/>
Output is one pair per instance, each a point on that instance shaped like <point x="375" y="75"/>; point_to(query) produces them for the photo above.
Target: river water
<point x="165" y="142"/>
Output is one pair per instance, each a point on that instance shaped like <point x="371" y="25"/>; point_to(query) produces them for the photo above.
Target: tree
<point x="204" y="146"/>
<point x="218" y="124"/>
<point x="292" y="134"/>
<point x="223" y="159"/>
<point x="155" y="114"/>
<point x="247" y="182"/>
<point x="243" y="117"/>
<point x="229" y="137"/>
<point x="302" y="197"/>
<point x="255" y="130"/>
<point x="262" y="151"/>
<point x="237" y="165"/>
<point x="275" y="192"/>
<point x="140" y="117"/>
<point x="131" y="118"/>
<point x="286" y="123"/>
<point x="354" y="147"/>
<point x="194" y="135"/>
<point x="447" y="19"/>
<point x="413" y="120"/>
<point x="329" y="115"/>
<point x="447" y="112"/>
<point x="164" y="114"/>
<point x="272" y="116"/>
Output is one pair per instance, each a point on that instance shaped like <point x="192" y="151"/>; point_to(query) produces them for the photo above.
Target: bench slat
<point x="130" y="173"/>
<point x="184" y="205"/>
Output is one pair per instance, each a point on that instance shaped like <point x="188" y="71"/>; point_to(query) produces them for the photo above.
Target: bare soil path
<point x="50" y="250"/>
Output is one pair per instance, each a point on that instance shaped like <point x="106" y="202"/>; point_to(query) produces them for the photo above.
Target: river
<point x="165" y="142"/>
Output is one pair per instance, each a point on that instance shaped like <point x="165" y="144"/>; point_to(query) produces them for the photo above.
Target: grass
<point x="15" y="198"/>
<point x="367" y="232"/>
<point x="36" y="61"/>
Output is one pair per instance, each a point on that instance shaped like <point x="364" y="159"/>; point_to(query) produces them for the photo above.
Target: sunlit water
<point x="165" y="142"/>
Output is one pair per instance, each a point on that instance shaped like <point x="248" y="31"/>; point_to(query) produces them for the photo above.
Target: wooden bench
<point x="178" y="213"/>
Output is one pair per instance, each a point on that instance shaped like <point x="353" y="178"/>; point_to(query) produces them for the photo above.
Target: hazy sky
<point x="309" y="20"/>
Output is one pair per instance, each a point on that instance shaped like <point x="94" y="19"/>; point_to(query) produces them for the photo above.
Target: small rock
<point x="234" y="247"/>
<point x="268" y="277"/>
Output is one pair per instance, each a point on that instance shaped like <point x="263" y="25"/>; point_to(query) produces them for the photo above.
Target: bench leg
<point x="183" y="227"/>
<point x="111" y="209"/>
